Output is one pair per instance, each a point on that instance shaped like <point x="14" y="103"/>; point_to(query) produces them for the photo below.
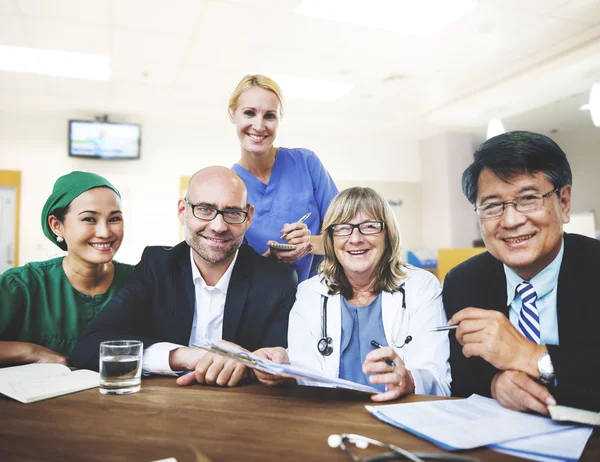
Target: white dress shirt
<point x="209" y="307"/>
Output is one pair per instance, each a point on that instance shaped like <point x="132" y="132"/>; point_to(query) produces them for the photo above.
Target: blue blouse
<point x="360" y="325"/>
<point x="298" y="184"/>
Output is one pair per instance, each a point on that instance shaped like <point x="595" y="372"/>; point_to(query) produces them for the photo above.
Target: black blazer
<point x="480" y="282"/>
<point x="156" y="304"/>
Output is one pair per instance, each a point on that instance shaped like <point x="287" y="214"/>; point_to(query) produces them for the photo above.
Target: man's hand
<point x="277" y="355"/>
<point x="213" y="369"/>
<point x="490" y="335"/>
<point x="397" y="379"/>
<point x="516" y="390"/>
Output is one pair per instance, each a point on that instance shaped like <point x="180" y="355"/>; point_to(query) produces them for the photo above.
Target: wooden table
<point x="200" y="423"/>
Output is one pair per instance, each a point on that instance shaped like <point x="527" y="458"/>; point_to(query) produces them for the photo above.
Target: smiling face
<point x="93" y="226"/>
<point x="525" y="242"/>
<point x="256" y="119"/>
<point x="359" y="254"/>
<point x="214" y="242"/>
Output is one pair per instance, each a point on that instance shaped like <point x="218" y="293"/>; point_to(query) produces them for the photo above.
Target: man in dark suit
<point x="208" y="287"/>
<point x="526" y="309"/>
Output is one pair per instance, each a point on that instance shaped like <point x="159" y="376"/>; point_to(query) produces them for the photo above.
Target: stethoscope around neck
<point x="325" y="343"/>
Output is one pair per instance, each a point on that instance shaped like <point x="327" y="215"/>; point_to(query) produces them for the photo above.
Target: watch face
<point x="545" y="364"/>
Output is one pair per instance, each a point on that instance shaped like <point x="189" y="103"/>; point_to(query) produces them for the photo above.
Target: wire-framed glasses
<point x="366" y="227"/>
<point x="208" y="213"/>
<point x="345" y="441"/>
<point x="524" y="204"/>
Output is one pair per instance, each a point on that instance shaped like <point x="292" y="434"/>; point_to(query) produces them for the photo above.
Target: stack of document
<point x="269" y="367"/>
<point x="479" y="421"/>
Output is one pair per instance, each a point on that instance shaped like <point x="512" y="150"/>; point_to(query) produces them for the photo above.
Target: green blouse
<point x="39" y="305"/>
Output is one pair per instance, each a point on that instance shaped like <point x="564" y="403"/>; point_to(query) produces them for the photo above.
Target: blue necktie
<point x="529" y="320"/>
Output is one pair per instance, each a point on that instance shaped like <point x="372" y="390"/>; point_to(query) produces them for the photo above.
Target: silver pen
<point x="301" y="220"/>
<point x="442" y="328"/>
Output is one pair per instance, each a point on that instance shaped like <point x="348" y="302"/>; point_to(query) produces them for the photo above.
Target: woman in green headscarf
<point x="45" y="305"/>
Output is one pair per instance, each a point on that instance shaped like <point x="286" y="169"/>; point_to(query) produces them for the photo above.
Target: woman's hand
<point x="296" y="234"/>
<point x="14" y="353"/>
<point x="397" y="378"/>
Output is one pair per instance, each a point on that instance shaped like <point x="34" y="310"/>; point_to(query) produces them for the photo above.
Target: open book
<point x="35" y="382"/>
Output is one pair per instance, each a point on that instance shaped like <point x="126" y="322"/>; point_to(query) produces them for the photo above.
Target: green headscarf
<point x="67" y="188"/>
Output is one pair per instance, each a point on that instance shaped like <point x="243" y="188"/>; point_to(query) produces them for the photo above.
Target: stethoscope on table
<point x="324" y="345"/>
<point x="396" y="453"/>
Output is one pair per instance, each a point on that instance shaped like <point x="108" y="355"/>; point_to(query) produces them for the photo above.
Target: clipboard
<point x="290" y="370"/>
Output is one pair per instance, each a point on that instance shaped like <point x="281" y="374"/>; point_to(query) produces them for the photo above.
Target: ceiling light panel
<point x="311" y="89"/>
<point x="54" y="63"/>
<point x="420" y="18"/>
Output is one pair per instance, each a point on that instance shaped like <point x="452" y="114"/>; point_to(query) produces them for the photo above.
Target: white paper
<point x="567" y="444"/>
<point x="35" y="382"/>
<point x="464" y="424"/>
<point x="269" y="367"/>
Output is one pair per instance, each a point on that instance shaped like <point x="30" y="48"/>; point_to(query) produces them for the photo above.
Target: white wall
<point x="448" y="218"/>
<point x="582" y="147"/>
<point x="36" y="144"/>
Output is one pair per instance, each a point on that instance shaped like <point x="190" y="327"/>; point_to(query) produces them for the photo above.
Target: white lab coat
<point x="426" y="356"/>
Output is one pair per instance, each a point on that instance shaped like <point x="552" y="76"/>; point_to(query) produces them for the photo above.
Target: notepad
<point x="571" y="414"/>
<point x="35" y="382"/>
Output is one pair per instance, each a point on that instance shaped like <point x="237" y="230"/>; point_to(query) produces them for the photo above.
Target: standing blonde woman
<point x="283" y="184"/>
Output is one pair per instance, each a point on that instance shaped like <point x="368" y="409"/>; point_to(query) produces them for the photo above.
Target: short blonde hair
<point x="389" y="273"/>
<point x="255" y="80"/>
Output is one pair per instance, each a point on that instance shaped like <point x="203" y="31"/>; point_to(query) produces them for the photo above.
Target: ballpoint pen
<point x="301" y="220"/>
<point x="388" y="361"/>
<point x="442" y="328"/>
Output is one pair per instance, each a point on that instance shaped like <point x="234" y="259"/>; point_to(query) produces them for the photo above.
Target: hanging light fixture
<point x="496" y="127"/>
<point x="595" y="104"/>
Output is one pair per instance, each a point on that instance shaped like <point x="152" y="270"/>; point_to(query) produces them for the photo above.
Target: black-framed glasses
<point x="524" y="204"/>
<point x="366" y="227"/>
<point x="208" y="213"/>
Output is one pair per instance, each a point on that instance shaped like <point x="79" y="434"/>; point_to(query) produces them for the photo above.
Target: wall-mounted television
<point x="104" y="140"/>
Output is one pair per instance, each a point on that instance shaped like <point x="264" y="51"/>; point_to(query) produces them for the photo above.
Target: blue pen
<point x="388" y="361"/>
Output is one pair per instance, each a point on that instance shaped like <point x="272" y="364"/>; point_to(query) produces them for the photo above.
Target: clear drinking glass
<point x="120" y="367"/>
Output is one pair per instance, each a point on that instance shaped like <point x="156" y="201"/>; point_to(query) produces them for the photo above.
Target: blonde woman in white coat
<point x="371" y="298"/>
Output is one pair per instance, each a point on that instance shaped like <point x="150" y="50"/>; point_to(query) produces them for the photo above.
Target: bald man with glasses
<point x="526" y="310"/>
<point x="211" y="286"/>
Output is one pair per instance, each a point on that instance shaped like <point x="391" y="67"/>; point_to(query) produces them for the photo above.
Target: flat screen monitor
<point x="104" y="140"/>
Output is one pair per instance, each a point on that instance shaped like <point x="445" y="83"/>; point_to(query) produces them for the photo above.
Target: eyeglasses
<point x="524" y="204"/>
<point x="396" y="453"/>
<point x="367" y="227"/>
<point x="209" y="213"/>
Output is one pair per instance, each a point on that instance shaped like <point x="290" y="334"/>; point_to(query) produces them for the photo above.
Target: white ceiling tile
<point x="68" y="36"/>
<point x="84" y="12"/>
<point x="583" y="11"/>
<point x="12" y="31"/>
<point x="147" y="57"/>
<point x="22" y="81"/>
<point x="177" y="17"/>
<point x="534" y="6"/>
<point x="9" y="7"/>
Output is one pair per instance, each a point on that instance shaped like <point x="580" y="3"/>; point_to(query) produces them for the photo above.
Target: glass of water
<point x="120" y="367"/>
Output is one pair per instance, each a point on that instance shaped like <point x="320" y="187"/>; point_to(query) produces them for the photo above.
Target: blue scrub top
<point x="299" y="183"/>
<point x="360" y="325"/>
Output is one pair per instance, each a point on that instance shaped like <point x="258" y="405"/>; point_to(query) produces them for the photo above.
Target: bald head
<point x="223" y="177"/>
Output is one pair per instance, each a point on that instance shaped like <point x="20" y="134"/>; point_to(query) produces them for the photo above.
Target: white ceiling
<point x="180" y="59"/>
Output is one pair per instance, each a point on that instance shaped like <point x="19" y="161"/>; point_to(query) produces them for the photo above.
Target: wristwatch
<point x="546" y="369"/>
